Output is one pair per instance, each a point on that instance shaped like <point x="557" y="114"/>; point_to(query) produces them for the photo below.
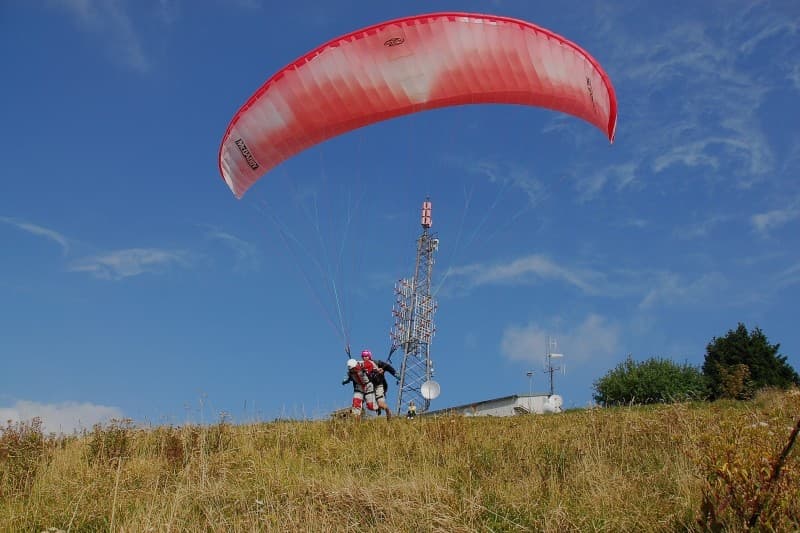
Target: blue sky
<point x="133" y="283"/>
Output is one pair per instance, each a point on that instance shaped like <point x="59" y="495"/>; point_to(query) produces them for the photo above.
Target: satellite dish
<point x="430" y="390"/>
<point x="553" y="404"/>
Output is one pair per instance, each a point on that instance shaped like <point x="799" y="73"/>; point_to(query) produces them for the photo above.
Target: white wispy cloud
<point x="668" y="288"/>
<point x="131" y="262"/>
<point x="620" y="176"/>
<point x="775" y="218"/>
<point x="247" y="256"/>
<point x="633" y="222"/>
<point x="770" y="27"/>
<point x="794" y="76"/>
<point x="791" y="164"/>
<point x="683" y="49"/>
<point x="471" y="340"/>
<point x="111" y="20"/>
<point x="650" y="287"/>
<point x="594" y="338"/>
<point x="514" y="176"/>
<point x="525" y="271"/>
<point x="574" y="130"/>
<point x="691" y="155"/>
<point x="40" y="231"/>
<point x="65" y="417"/>
<point x="718" y="127"/>
<point x="700" y="229"/>
<point x="716" y="132"/>
<point x="789" y="276"/>
<point x="505" y="176"/>
<point x="246" y="4"/>
<point x="168" y="10"/>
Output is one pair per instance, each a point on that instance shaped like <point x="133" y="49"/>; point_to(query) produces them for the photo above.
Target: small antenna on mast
<point x="426" y="213"/>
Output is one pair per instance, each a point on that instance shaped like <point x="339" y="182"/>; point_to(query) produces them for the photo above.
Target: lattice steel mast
<point x="413" y="320"/>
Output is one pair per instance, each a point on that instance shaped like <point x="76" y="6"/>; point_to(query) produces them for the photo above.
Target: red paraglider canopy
<point x="408" y="65"/>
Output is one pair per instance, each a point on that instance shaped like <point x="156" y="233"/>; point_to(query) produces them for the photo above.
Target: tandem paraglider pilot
<point x="375" y="370"/>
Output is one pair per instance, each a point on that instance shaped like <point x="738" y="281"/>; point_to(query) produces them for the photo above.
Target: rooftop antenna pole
<point x="530" y="390"/>
<point x="413" y="321"/>
<point x="549" y="368"/>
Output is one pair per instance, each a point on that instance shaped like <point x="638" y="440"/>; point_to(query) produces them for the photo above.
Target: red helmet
<point x="366" y="354"/>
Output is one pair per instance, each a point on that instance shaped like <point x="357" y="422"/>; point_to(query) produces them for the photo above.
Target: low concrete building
<point x="516" y="404"/>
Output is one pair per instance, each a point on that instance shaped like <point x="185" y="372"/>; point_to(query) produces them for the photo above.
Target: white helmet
<point x="351" y="364"/>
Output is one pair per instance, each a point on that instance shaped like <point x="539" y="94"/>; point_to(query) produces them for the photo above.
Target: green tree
<point x="742" y="362"/>
<point x="656" y="380"/>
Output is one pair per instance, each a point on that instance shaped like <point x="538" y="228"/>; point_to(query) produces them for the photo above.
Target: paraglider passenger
<point x="363" y="389"/>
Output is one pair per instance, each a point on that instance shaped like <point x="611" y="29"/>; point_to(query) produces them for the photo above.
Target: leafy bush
<point x="655" y="380"/>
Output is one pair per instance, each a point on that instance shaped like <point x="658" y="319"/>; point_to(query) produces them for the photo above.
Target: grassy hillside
<point x="662" y="468"/>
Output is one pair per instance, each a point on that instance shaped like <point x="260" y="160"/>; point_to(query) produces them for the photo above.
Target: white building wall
<point x="506" y="406"/>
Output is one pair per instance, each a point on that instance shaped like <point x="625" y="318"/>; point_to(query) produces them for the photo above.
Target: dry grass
<point x="662" y="468"/>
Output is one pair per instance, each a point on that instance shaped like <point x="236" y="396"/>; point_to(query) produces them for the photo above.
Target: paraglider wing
<point x="405" y="66"/>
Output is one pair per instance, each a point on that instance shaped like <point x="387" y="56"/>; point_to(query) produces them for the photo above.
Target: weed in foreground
<point x="23" y="447"/>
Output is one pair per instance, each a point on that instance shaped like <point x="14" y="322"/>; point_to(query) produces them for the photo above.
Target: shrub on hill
<point x="655" y="380"/>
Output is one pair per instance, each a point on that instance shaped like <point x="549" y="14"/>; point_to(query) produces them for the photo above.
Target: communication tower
<point x="413" y="323"/>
